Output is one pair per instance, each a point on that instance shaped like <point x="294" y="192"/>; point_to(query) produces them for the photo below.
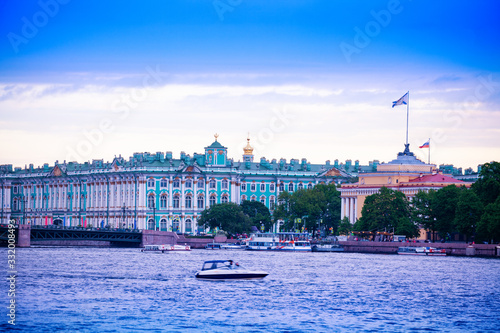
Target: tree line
<point x="473" y="212"/>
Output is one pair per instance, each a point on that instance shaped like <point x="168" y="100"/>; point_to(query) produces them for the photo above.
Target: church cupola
<point x="248" y="152"/>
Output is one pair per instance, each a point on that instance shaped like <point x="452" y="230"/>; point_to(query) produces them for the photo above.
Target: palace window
<point x="189" y="183"/>
<point x="201" y="201"/>
<point x="163" y="225"/>
<point x="262" y="187"/>
<point x="300" y="186"/>
<point x="212" y="200"/>
<point x="243" y="187"/>
<point x="253" y="198"/>
<point x="163" y="201"/>
<point x="188" y="201"/>
<point x="151" y="201"/>
<point x="271" y="203"/>
<point x="151" y="182"/>
<point x="290" y="187"/>
<point x="201" y="183"/>
<point x="177" y="183"/>
<point x="163" y="183"/>
<point x="176" y="225"/>
<point x="263" y="200"/>
<point x="188" y="225"/>
<point x="253" y="187"/>
<point x="225" y="184"/>
<point x="309" y="186"/>
<point x="151" y="224"/>
<point x="282" y="187"/>
<point x="271" y="187"/>
<point x="177" y="201"/>
<point x="243" y="197"/>
<point x="224" y="199"/>
<point x="212" y="183"/>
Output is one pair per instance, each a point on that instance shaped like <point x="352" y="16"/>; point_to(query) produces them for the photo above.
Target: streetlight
<point x="123" y="216"/>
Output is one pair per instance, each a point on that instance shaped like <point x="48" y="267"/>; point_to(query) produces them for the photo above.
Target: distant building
<point x="406" y="174"/>
<point x="151" y="191"/>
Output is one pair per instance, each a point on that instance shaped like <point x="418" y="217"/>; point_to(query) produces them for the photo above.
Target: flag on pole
<point x="425" y="145"/>
<point x="402" y="100"/>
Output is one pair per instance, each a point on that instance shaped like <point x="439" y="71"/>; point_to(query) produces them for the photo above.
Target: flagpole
<point x="407" y="115"/>
<point x="429" y="160"/>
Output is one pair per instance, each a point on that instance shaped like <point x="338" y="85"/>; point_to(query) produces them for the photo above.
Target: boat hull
<point x="237" y="276"/>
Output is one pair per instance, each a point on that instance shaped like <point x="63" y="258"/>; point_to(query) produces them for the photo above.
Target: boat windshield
<point x="222" y="264"/>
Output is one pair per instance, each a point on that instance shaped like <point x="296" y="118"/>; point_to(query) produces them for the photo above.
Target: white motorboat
<point x="421" y="251"/>
<point x="227" y="270"/>
<point x="165" y="248"/>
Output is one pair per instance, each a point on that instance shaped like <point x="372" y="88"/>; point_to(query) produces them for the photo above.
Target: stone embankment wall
<point x="457" y="249"/>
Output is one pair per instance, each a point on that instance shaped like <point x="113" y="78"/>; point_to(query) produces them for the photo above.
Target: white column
<point x="207" y="191"/>
<point x="342" y="204"/>
<point x="351" y="210"/>
<point x="355" y="209"/>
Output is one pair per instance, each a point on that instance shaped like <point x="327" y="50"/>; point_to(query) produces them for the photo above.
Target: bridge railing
<point x="59" y="227"/>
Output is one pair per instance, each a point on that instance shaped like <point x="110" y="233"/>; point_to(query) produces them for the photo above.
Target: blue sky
<point x="193" y="68"/>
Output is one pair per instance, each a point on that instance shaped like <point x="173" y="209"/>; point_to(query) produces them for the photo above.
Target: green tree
<point x="488" y="228"/>
<point x="345" y="227"/>
<point x="443" y="209"/>
<point x="487" y="187"/>
<point x="386" y="211"/>
<point x="283" y="211"/>
<point x="258" y="213"/>
<point x="468" y="213"/>
<point x="421" y="210"/>
<point x="226" y="216"/>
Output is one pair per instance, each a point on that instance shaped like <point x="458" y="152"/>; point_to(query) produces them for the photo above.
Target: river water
<point x="123" y="290"/>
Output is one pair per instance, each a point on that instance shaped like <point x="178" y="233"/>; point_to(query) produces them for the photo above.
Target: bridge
<point x="27" y="235"/>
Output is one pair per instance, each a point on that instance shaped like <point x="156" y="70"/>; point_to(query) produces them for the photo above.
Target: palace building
<point x="406" y="174"/>
<point x="151" y="191"/>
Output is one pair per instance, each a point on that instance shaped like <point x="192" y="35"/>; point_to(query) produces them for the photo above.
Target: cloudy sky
<point x="83" y="80"/>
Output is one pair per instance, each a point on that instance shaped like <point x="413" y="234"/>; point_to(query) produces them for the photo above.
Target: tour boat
<point x="223" y="246"/>
<point x="227" y="270"/>
<point x="165" y="248"/>
<point x="282" y="241"/>
<point x="421" y="251"/>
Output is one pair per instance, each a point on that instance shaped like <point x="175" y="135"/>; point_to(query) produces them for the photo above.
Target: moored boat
<point x="282" y="241"/>
<point x="227" y="270"/>
<point x="421" y="251"/>
<point x="327" y="248"/>
<point x="165" y="248"/>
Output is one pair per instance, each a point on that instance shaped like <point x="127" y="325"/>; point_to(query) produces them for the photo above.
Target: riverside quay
<point x="153" y="191"/>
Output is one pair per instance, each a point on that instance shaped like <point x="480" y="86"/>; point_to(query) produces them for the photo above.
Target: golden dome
<point x="248" y="150"/>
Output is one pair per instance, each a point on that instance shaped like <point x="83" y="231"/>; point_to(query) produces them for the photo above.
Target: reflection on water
<point x="107" y="290"/>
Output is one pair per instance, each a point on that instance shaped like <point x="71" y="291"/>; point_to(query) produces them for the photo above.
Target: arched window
<point x="300" y="186"/>
<point x="263" y="187"/>
<point x="309" y="186"/>
<point x="151" y="201"/>
<point x="253" y="198"/>
<point x="151" y="182"/>
<point x="151" y="224"/>
<point x="163" y="225"/>
<point x="224" y="199"/>
<point x="282" y="187"/>
<point x="188" y="201"/>
<point x="290" y="187"/>
<point x="213" y="200"/>
<point x="271" y="203"/>
<point x="188" y="226"/>
<point x="15" y="205"/>
<point x="201" y="202"/>
<point x="176" y="225"/>
<point x="243" y="187"/>
<point x="177" y="183"/>
<point x="253" y="187"/>
<point x="263" y="200"/>
<point x="212" y="183"/>
<point x="189" y="183"/>
<point x="177" y="201"/>
<point x="225" y="184"/>
<point x="163" y="201"/>
<point x="201" y="183"/>
<point x="271" y="187"/>
<point x="163" y="183"/>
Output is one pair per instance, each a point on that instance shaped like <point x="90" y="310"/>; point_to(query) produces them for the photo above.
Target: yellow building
<point x="406" y="174"/>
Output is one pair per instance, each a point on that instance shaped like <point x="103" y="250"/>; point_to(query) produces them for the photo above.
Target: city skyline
<point x="316" y="80"/>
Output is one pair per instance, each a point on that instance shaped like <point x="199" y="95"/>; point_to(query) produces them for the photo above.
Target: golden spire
<point x="248" y="150"/>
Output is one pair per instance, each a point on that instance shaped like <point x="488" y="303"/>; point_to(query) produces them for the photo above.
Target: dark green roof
<point x="216" y="144"/>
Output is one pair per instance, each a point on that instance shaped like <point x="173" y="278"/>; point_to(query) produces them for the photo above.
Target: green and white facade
<point x="150" y="191"/>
